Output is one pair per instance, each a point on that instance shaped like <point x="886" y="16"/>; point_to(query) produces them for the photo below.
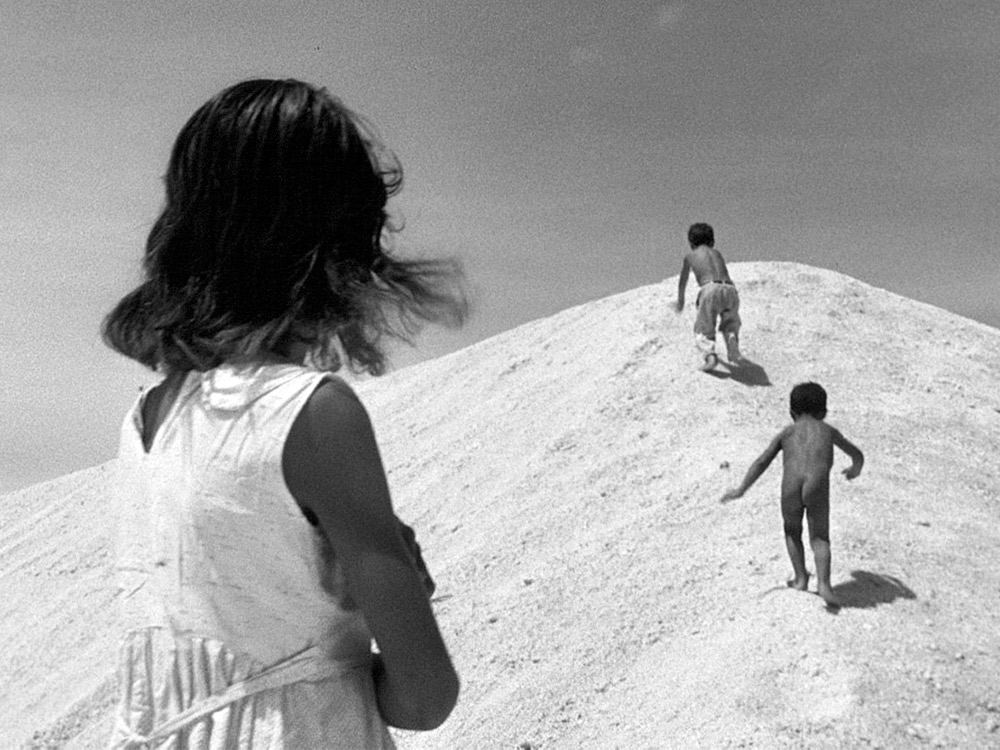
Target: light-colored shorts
<point x="717" y="300"/>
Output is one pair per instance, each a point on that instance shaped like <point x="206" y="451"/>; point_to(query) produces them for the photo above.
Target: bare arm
<point x="758" y="467"/>
<point x="855" y="454"/>
<point x="682" y="284"/>
<point x="333" y="467"/>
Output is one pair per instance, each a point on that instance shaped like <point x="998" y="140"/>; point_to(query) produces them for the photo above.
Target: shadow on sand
<point x="868" y="590"/>
<point x="746" y="372"/>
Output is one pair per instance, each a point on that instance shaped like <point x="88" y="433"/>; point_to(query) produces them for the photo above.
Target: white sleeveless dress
<point x="238" y="633"/>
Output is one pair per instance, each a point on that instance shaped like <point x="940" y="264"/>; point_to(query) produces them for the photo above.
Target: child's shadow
<point x="868" y="590"/>
<point x="746" y="372"/>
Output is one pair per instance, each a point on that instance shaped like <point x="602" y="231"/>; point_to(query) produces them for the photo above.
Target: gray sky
<point x="560" y="148"/>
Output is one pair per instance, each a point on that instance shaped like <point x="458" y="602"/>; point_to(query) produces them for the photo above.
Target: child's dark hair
<point x="808" y="398"/>
<point x="701" y="234"/>
<point x="275" y="233"/>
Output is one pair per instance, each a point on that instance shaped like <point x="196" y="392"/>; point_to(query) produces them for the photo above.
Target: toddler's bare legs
<point x="818" y="513"/>
<point x="821" y="551"/>
<point x="791" y="514"/>
<point x="791" y="511"/>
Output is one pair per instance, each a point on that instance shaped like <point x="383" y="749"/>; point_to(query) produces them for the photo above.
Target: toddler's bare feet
<point x="799" y="584"/>
<point x="828" y="596"/>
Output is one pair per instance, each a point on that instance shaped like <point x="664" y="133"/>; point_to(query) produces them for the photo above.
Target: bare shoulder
<point x="708" y="265"/>
<point x="786" y="432"/>
<point x="333" y="425"/>
<point x="333" y="391"/>
<point x="780" y="441"/>
<point x="331" y="461"/>
<point x="793" y="437"/>
<point x="834" y="434"/>
<point x="842" y="442"/>
<point x="333" y="410"/>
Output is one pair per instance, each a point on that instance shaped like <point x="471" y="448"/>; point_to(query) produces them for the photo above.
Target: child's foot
<point x="799" y="584"/>
<point x="710" y="361"/>
<point x="733" y="348"/>
<point x="828" y="596"/>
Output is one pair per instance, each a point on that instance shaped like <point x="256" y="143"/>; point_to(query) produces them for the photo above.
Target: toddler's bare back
<point x="708" y="265"/>
<point x="807" y="446"/>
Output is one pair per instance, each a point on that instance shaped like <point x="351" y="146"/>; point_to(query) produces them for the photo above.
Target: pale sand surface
<point x="564" y="479"/>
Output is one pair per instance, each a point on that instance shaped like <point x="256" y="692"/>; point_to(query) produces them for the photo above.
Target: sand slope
<point x="564" y="480"/>
<point x="57" y="616"/>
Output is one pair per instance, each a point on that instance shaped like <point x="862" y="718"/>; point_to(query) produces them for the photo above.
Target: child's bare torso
<point x="708" y="265"/>
<point x="807" y="448"/>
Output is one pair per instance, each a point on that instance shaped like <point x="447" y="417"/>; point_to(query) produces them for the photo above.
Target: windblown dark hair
<point x="808" y="398"/>
<point x="275" y="233"/>
<point x="701" y="234"/>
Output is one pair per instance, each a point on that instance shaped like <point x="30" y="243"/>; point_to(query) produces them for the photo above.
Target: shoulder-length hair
<point x="274" y="233"/>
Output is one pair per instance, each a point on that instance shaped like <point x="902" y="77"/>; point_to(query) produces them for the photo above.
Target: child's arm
<point x="682" y="284"/>
<point x="758" y="467"/>
<point x="332" y="466"/>
<point x="857" y="457"/>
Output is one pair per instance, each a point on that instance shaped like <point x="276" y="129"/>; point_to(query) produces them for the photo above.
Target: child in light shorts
<point x="717" y="298"/>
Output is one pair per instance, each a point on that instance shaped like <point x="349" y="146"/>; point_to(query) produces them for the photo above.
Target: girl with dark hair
<point x="259" y="553"/>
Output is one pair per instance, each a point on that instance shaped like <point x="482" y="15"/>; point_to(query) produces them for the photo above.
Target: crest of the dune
<point x="564" y="480"/>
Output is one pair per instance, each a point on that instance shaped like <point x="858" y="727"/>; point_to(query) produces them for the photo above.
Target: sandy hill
<point x="564" y="480"/>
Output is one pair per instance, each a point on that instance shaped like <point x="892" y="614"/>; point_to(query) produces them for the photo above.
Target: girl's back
<point x="222" y="576"/>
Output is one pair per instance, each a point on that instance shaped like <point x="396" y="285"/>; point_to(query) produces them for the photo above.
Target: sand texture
<point x="564" y="479"/>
